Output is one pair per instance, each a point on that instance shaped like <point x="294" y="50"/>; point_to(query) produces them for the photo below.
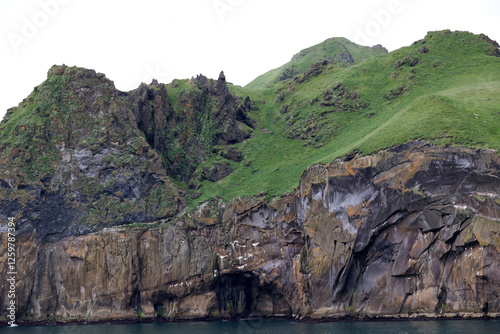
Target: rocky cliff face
<point x="78" y="155"/>
<point x="77" y="162"/>
<point x="100" y="182"/>
<point x="408" y="231"/>
<point x="207" y="115"/>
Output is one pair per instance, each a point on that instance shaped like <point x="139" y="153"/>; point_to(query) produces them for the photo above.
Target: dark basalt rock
<point x="152" y="110"/>
<point x="217" y="171"/>
<point x="108" y="155"/>
<point x="423" y="49"/>
<point x="411" y="61"/>
<point x="209" y="116"/>
<point x="87" y="167"/>
<point x="315" y="70"/>
<point x="495" y="49"/>
<point x="229" y="152"/>
<point x="229" y="114"/>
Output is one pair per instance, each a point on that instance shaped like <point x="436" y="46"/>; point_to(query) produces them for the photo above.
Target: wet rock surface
<point x="409" y="231"/>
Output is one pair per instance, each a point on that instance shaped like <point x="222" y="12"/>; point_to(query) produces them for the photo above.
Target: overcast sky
<point x="134" y="41"/>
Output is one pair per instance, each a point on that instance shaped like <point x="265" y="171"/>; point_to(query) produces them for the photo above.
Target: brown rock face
<point x="410" y="230"/>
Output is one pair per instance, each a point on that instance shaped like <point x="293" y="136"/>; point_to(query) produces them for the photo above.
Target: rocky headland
<point x="104" y="188"/>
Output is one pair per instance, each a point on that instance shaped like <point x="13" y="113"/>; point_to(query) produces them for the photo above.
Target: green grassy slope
<point x="444" y="89"/>
<point x="344" y="52"/>
<point x="451" y="96"/>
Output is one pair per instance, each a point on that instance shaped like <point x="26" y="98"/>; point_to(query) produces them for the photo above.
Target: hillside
<point x="336" y="50"/>
<point x="314" y="195"/>
<point x="444" y="89"/>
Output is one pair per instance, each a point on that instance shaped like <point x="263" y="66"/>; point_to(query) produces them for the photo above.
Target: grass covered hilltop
<point x="444" y="89"/>
<point x="221" y="140"/>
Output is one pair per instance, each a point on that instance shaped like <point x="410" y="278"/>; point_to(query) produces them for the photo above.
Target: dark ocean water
<point x="276" y="327"/>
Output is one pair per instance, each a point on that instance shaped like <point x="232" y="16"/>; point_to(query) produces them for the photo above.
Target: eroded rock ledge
<point x="410" y="231"/>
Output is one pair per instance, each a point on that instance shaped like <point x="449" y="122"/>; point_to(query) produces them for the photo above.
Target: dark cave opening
<point x="241" y="295"/>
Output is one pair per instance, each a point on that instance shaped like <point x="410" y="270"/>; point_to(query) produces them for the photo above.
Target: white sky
<point x="133" y="41"/>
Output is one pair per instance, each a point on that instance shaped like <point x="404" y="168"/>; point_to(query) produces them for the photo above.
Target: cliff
<point x="78" y="155"/>
<point x="345" y="191"/>
<point x="408" y="231"/>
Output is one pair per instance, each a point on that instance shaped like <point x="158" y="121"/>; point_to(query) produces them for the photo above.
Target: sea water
<point x="274" y="327"/>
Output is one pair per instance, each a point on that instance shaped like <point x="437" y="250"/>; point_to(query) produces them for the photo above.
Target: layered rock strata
<point x="413" y="230"/>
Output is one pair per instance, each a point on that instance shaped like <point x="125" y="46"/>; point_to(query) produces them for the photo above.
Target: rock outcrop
<point x="79" y="163"/>
<point x="78" y="155"/>
<point x="206" y="115"/>
<point x="413" y="230"/>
